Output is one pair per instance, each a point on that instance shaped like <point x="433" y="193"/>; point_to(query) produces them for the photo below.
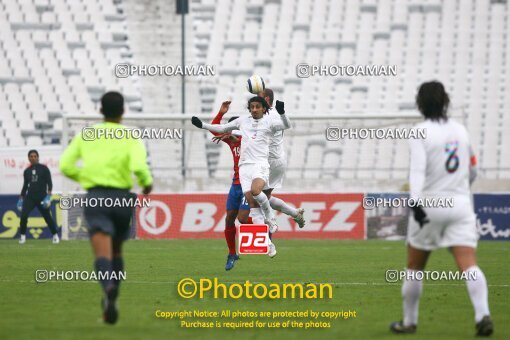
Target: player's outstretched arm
<point x="221" y="128"/>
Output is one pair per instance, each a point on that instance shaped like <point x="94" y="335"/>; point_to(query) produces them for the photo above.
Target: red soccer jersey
<point x="235" y="148"/>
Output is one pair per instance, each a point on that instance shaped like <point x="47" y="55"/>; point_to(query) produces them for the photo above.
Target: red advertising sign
<point x="253" y="239"/>
<point x="328" y="216"/>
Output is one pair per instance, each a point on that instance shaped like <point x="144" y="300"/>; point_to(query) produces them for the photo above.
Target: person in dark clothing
<point x="36" y="192"/>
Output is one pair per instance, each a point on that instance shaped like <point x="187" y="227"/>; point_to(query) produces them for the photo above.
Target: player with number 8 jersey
<point x="442" y="165"/>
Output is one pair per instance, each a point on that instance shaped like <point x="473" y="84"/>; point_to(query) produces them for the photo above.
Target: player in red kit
<point x="237" y="206"/>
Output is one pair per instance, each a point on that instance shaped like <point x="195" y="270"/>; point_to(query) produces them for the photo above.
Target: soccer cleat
<point x="272" y="250"/>
<point x="485" y="326"/>
<point x="300" y="220"/>
<point x="271" y="223"/>
<point x="231" y="260"/>
<point x="399" y="328"/>
<point x="110" y="313"/>
<point x="56" y="240"/>
<point x="22" y="239"/>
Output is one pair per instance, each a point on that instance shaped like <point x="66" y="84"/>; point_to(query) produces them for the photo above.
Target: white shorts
<point x="277" y="171"/>
<point x="248" y="172"/>
<point x="448" y="227"/>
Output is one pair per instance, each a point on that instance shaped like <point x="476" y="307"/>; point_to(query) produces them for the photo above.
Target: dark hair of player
<point x="112" y="105"/>
<point x="260" y="100"/>
<point x="268" y="93"/>
<point x="432" y="101"/>
<point x="33" y="151"/>
<point x="233" y="118"/>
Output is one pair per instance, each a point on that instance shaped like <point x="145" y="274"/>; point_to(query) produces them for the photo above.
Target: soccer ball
<point x="255" y="84"/>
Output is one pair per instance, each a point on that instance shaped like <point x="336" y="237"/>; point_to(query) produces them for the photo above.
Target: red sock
<point x="230" y="237"/>
<point x="250" y="221"/>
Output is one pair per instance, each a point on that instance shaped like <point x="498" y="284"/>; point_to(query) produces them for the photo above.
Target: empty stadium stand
<point x="58" y="57"/>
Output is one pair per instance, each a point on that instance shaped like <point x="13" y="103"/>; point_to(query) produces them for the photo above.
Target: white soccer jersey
<point x="276" y="147"/>
<point x="256" y="135"/>
<point x="440" y="163"/>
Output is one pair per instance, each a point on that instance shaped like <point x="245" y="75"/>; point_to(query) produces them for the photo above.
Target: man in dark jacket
<point x="36" y="192"/>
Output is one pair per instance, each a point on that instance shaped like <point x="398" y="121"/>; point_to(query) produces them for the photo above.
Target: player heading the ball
<point x="256" y="131"/>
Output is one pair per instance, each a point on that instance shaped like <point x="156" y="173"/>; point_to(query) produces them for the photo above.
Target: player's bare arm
<point x="224" y="107"/>
<point x="224" y="137"/>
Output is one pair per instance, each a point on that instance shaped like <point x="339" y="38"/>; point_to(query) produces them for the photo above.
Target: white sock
<point x="411" y="292"/>
<point x="256" y="216"/>
<point x="280" y="205"/>
<point x="264" y="205"/>
<point x="478" y="292"/>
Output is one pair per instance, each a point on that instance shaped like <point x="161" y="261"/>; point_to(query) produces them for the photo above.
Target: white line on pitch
<point x="257" y="282"/>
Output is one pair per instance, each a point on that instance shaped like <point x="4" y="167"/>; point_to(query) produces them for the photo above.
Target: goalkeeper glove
<point x="19" y="205"/>
<point x="46" y="202"/>
<point x="196" y="121"/>
<point x="280" y="107"/>
<point x="420" y="216"/>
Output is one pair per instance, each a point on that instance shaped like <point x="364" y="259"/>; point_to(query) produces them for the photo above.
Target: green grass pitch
<point x="70" y="310"/>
